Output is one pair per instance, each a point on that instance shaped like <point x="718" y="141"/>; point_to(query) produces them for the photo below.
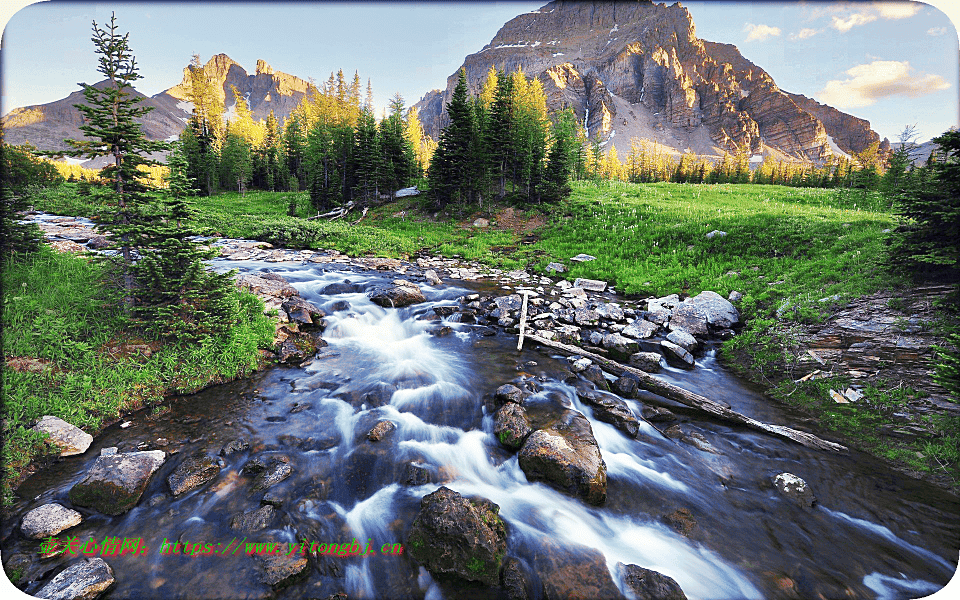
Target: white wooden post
<point x="523" y="318"/>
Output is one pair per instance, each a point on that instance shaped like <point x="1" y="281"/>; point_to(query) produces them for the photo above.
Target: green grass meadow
<point x="794" y="253"/>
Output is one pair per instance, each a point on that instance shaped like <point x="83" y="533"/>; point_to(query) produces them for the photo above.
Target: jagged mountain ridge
<point x="47" y="125"/>
<point x="638" y="70"/>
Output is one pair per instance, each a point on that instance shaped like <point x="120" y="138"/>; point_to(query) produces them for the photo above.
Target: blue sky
<point x="893" y="63"/>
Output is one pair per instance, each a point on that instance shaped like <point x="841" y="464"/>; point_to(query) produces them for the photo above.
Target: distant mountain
<point x="638" y="69"/>
<point x="47" y="125"/>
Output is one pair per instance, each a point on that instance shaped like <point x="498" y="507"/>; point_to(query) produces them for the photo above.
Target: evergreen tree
<point x="396" y="154"/>
<point x="110" y="125"/>
<point x="176" y="294"/>
<point x="203" y="138"/>
<point x="555" y="185"/>
<point x="453" y="161"/>
<point x="927" y="242"/>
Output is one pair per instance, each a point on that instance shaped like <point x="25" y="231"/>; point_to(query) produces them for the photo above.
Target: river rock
<point x="280" y="570"/>
<point x="453" y="535"/>
<point x="266" y="284"/>
<point x="611" y="409"/>
<point x="620" y="347"/>
<point x="70" y="439"/>
<point x="509" y="393"/>
<point x="567" y="456"/>
<point x="648" y="362"/>
<point x="690" y="318"/>
<point x="594" y="375"/>
<point x="114" y="484"/>
<point x="49" y="519"/>
<point x="300" y="311"/>
<point x="297" y="346"/>
<point x="432" y="278"/>
<point x="650" y="585"/>
<point x="719" y="312"/>
<point x="580" y="365"/>
<point x="193" y="472"/>
<point x="401" y="293"/>
<point x="591" y="285"/>
<point x="677" y="355"/>
<point x="683" y="339"/>
<point x="508" y="303"/>
<point x="514" y="582"/>
<point x="346" y="287"/>
<point x="585" y="316"/>
<point x="272" y="475"/>
<point x="626" y="386"/>
<point x="640" y="330"/>
<point x="611" y="311"/>
<point x="254" y="520"/>
<point x="511" y="425"/>
<point x="380" y="430"/>
<point x="83" y="580"/>
<point x="556" y="267"/>
<point x="795" y="488"/>
<point x="572" y="571"/>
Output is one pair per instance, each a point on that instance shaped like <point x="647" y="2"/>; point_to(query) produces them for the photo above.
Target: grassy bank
<point x="794" y="253"/>
<point x="82" y="363"/>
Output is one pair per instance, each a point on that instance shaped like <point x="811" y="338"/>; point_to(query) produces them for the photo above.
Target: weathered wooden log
<point x="678" y="394"/>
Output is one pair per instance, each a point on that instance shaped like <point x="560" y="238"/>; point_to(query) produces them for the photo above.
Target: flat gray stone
<point x="648" y="362"/>
<point x="49" y="519"/>
<point x="70" y="439"/>
<point x="114" y="484"/>
<point x="683" y="339"/>
<point x="591" y="285"/>
<point x="583" y="258"/>
<point x="640" y="330"/>
<point x="83" y="580"/>
<point x="678" y="354"/>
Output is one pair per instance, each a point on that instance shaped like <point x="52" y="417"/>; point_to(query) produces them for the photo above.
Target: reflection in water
<point x="874" y="534"/>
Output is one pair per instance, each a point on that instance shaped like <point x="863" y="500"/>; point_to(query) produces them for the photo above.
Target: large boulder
<point x="114" y="484"/>
<point x="401" y="293"/>
<point x="720" y="313"/>
<point x="683" y="339"/>
<point x="690" y="318"/>
<point x="511" y="425"/>
<point x="572" y="571"/>
<point x="650" y="585"/>
<point x="193" y="472"/>
<point x="70" y="439"/>
<point x="567" y="457"/>
<point x="49" y="519"/>
<point x="83" y="580"/>
<point x="460" y="537"/>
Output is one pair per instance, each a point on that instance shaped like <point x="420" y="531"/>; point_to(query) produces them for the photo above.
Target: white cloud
<point x="855" y="20"/>
<point x="879" y="79"/>
<point x="935" y="31"/>
<point x="856" y="14"/>
<point x="897" y="10"/>
<point x="760" y="32"/>
<point x="803" y="34"/>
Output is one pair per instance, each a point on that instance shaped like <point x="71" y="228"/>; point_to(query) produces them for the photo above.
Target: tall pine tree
<point x="110" y="124"/>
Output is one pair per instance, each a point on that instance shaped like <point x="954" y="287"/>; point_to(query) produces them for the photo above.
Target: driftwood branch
<point x="335" y="213"/>
<point x="678" y="394"/>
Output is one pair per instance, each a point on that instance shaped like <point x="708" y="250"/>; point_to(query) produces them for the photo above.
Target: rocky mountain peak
<point x="639" y="70"/>
<point x="263" y="68"/>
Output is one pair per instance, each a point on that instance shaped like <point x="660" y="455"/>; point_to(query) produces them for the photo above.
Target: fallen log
<point x="678" y="394"/>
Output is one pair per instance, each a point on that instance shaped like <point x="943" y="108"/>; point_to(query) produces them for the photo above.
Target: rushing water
<point x="874" y="533"/>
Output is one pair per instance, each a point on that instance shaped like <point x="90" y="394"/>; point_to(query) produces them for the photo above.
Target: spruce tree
<point x="176" y="294"/>
<point x="111" y="128"/>
<point x="454" y="160"/>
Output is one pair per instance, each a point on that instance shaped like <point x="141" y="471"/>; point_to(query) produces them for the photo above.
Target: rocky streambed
<point x="403" y="421"/>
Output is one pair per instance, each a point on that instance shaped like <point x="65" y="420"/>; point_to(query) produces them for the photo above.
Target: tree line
<point x="330" y="145"/>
